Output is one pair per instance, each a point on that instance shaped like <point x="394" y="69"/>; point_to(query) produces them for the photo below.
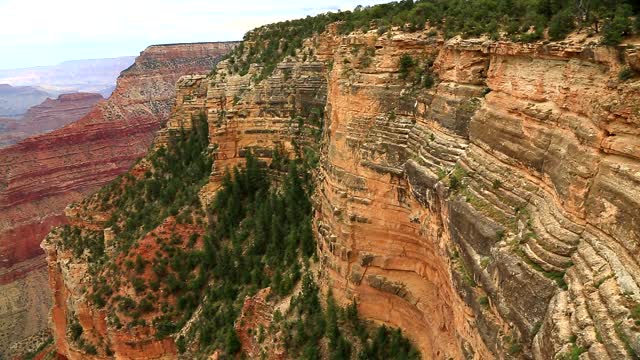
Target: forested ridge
<point x="515" y="20"/>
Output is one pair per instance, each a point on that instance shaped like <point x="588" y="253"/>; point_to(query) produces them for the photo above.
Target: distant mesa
<point x="16" y="100"/>
<point x="93" y="76"/>
<point x="47" y="116"/>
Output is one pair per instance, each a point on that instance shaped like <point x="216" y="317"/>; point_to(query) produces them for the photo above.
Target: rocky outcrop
<point x="43" y="174"/>
<point x="69" y="278"/>
<point x="242" y="116"/>
<point x="455" y="212"/>
<point x="48" y="116"/>
<point x="24" y="303"/>
<point x="482" y="196"/>
<point x="247" y="115"/>
<point x="253" y="323"/>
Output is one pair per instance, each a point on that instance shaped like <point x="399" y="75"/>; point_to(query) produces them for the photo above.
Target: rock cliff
<point x="481" y="215"/>
<point x="242" y="116"/>
<point x="480" y="195"/>
<point x="47" y="116"/>
<point x="43" y="174"/>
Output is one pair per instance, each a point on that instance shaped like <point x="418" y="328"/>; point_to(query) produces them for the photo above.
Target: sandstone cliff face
<point x="43" y="174"/>
<point x="455" y="212"/>
<point x="242" y="116"/>
<point x="48" y="116"/>
<point x="483" y="199"/>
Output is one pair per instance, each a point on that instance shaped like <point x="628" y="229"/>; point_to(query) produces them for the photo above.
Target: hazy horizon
<point x="37" y="33"/>
<point x="68" y="61"/>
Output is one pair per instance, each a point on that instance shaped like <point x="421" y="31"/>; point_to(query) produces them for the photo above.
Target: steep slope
<point x="42" y="174"/>
<point x="480" y="195"/>
<point x="455" y="211"/>
<point x="49" y="115"/>
<point x="241" y="119"/>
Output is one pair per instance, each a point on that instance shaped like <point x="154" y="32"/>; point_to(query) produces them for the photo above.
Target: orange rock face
<point x="43" y="174"/>
<point x="481" y="215"/>
<point x="489" y="213"/>
<point x="380" y="246"/>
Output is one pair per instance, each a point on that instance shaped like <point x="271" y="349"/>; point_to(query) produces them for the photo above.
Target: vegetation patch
<point x="518" y="20"/>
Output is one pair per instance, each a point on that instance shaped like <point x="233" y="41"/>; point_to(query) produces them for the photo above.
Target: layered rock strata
<point x="493" y="215"/>
<point x="483" y="199"/>
<point x="242" y="116"/>
<point x="43" y="174"/>
<point x="49" y="115"/>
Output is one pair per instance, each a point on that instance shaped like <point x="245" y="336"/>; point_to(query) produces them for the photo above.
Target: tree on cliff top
<point x="519" y="20"/>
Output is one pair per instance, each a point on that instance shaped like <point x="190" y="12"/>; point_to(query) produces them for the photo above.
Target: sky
<point x="46" y="32"/>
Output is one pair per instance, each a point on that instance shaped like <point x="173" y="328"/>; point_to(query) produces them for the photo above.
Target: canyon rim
<point x="352" y="185"/>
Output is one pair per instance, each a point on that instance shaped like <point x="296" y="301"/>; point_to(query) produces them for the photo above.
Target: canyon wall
<point x="49" y="115"/>
<point x="481" y="196"/>
<point x="242" y="116"/>
<point x="43" y="174"/>
<point x="492" y="215"/>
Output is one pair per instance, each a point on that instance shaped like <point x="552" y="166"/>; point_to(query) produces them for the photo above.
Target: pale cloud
<point x="39" y="32"/>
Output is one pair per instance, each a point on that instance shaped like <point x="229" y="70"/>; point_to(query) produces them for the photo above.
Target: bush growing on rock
<point x="405" y="65"/>
<point x="618" y="26"/>
<point x="625" y="74"/>
<point x="561" y="25"/>
<point x="521" y="20"/>
<point x="75" y="330"/>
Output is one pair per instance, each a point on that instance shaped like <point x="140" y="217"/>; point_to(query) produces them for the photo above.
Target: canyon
<point x="50" y="115"/>
<point x="90" y="75"/>
<point x="41" y="175"/>
<point x="16" y="100"/>
<point x="490" y="212"/>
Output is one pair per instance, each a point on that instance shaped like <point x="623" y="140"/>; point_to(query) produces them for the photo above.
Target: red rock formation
<point x="50" y="115"/>
<point x="138" y="343"/>
<point x="538" y="134"/>
<point x="255" y="318"/>
<point x="41" y="175"/>
<point x="492" y="215"/>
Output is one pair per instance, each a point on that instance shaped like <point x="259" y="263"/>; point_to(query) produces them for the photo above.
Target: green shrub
<point x="561" y="25"/>
<point x="428" y="81"/>
<point x="140" y="264"/>
<point x="454" y="183"/>
<point x="139" y="285"/>
<point x="75" y="330"/>
<point x="515" y="348"/>
<point x="573" y="353"/>
<point x="90" y="349"/>
<point x="232" y="342"/>
<point x="405" y="65"/>
<point x="619" y="26"/>
<point x="145" y="306"/>
<point x="626" y="73"/>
